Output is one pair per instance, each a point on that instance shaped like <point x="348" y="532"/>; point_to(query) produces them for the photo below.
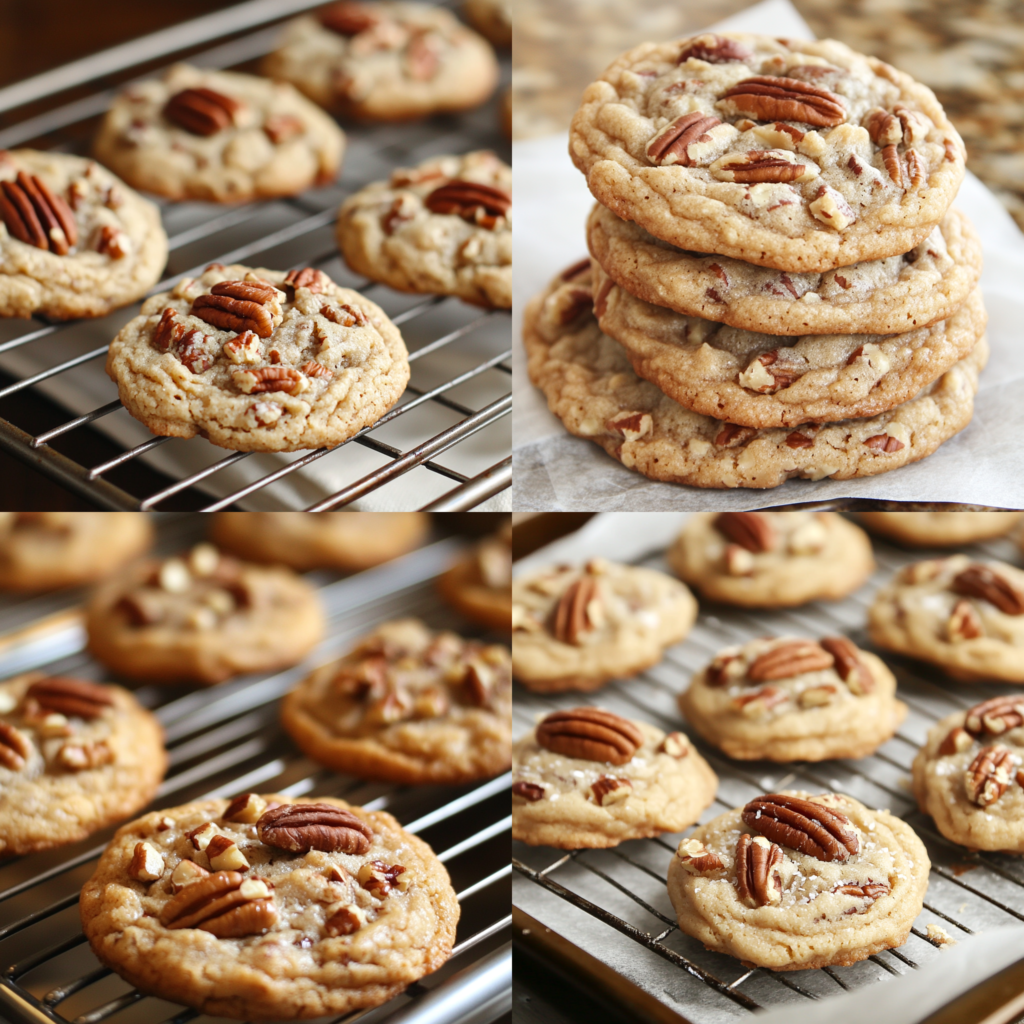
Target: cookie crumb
<point x="939" y="936"/>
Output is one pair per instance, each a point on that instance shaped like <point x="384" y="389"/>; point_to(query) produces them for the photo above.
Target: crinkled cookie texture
<point x="572" y="802"/>
<point x="940" y="529"/>
<point x="794" y="155"/>
<point x="754" y="379"/>
<point x="385" y="61"/>
<point x="218" y="135"/>
<point x="968" y="777"/>
<point x="771" y="559"/>
<point x="885" y="296"/>
<point x="408" y="705"/>
<point x="74" y="240"/>
<point x="966" y="617"/>
<point x="491" y="18"/>
<point x="443" y="228"/>
<point x="47" y="550"/>
<point x="349" y="541"/>
<point x="789" y="699"/>
<point x="479" y="584"/>
<point x="75" y="756"/>
<point x="202" y="617"/>
<point x="592" y="388"/>
<point x="335" y="909"/>
<point x="821" y="912"/>
<point x="577" y="628"/>
<point x="259" y="360"/>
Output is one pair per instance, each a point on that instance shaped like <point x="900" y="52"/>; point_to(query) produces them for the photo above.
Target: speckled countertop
<point x="970" y="53"/>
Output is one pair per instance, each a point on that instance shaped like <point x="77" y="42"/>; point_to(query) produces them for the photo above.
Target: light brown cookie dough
<point x="268" y="906"/>
<point x="836" y="884"/>
<point x="771" y="559"/>
<point x="408" y="705"/>
<point x="443" y="228"/>
<point x="48" y="550"/>
<point x="588" y="778"/>
<point x="74" y="240"/>
<point x="788" y="154"/>
<point x="968" y="775"/>
<point x="385" y="61"/>
<point x="591" y="387"/>
<point x="259" y="360"/>
<point x="349" y="541"/>
<point x="202" y="617"/>
<point x="966" y="617"/>
<point x="75" y="756"/>
<point x="939" y="529"/>
<point x="480" y="584"/>
<point x="491" y="18"/>
<point x="789" y="699"/>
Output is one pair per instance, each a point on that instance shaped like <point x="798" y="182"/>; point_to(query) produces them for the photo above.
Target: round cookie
<point x="754" y="379"/>
<point x="75" y="241"/>
<point x="268" y="906"/>
<point x="967" y="775"/>
<point x="202" y="617"/>
<point x="75" y="756"/>
<point x="218" y="135"/>
<point x="591" y="387"/>
<point x="349" y="541"/>
<point x="443" y="228"/>
<point x="587" y="778"/>
<point x="802" y="156"/>
<point x="966" y="617"/>
<point x="47" y="550"/>
<point x="491" y="18"/>
<point x="789" y="699"/>
<point x="771" y="559"/>
<point x="939" y="529"/>
<point x="408" y="705"/>
<point x="480" y="584"/>
<point x="838" y="884"/>
<point x="385" y="61"/>
<point x="575" y="629"/>
<point x="259" y="360"/>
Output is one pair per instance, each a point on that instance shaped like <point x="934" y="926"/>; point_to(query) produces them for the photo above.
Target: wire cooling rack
<point x="460" y="393"/>
<point x="226" y="740"/>
<point x="607" y="912"/>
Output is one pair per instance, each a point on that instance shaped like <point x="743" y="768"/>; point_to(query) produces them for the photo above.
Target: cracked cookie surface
<point x="480" y="584"/>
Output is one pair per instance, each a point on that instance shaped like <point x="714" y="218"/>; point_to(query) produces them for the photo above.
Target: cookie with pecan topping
<point x="480" y="584"/>
<point x="218" y="135"/>
<point x="444" y="228"/>
<point x="408" y="705"/>
<point x="294" y="908"/>
<point x="793" y="881"/>
<point x="940" y="529"/>
<point x="75" y="756"/>
<point x="202" y="617"/>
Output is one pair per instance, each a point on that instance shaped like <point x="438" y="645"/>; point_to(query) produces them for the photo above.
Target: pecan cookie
<point x="349" y="541"/>
<point x="588" y="778"/>
<point x="443" y="228"/>
<point x="202" y="617"/>
<point x="794" y="155"/>
<point x="789" y="699"/>
<point x="491" y="18"/>
<point x="755" y="379"/>
<point x="939" y="529"/>
<point x="968" y="775"/>
<point x="267" y="906"/>
<point x="575" y="629"/>
<point x="385" y="61"/>
<point x="966" y="617"/>
<point x="75" y="241"/>
<point x="218" y="135"/>
<point x="772" y="559"/>
<point x="886" y="296"/>
<point x="47" y="550"/>
<point x="408" y="705"/>
<point x="793" y="881"/>
<point x="591" y="387"/>
<point x="480" y="584"/>
<point x="75" y="757"/>
<point x="259" y="360"/>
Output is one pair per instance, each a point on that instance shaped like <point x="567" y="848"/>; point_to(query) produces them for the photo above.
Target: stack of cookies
<point x="778" y="286"/>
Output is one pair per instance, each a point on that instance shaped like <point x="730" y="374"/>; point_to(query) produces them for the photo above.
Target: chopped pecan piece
<point x="191" y="350"/>
<point x="348" y="19"/>
<point x="916" y="170"/>
<point x="714" y="50"/>
<point x="577" y="611"/>
<point x="201" y="111"/>
<point x="964" y="623"/>
<point x="304" y="827"/>
<point x="270" y="378"/>
<point x="315" y="369"/>
<point x="731" y="432"/>
<point x="590" y="734"/>
<point x="530" y="791"/>
<point x="863" y="890"/>
<point x="758" y="880"/>
<point x="631" y="426"/>
<point x="996" y="715"/>
<point x="848" y="665"/>
<point x="751" y="530"/>
<point x="112" y="242"/>
<point x="225" y="855"/>
<point x="884" y="443"/>
<point x="238" y="306"/>
<point x="187" y="872"/>
<point x="344" y="315"/>
<point x="244" y="348"/>
<point x="34" y="214"/>
<point x="422" y="58"/>
<point x="77" y="757"/>
<point x="760" y="702"/>
<point x="282" y="127"/>
<point x="146" y="864"/>
<point x="883" y="128"/>
<point x="479" y="204"/>
<point x="988" y="775"/>
<point x="74" y="698"/>
<point x="803" y="825"/>
<point x="610" y="790"/>
<point x="785" y="99"/>
<point x="956" y="742"/>
<point x="718" y="672"/>
<point x="671" y="144"/>
<point x="738" y="561"/>
<point x="832" y="209"/>
<point x="788" y="660"/>
<point x="220" y="905"/>
<point x="167" y="331"/>
<point x="696" y="859"/>
<point x="380" y="878"/>
<point x="675" y="744"/>
<point x="817" y="696"/>
<point x="986" y="583"/>
<point x="759" y="165"/>
<point x="345" y="921"/>
<point x="15" y="747"/>
<point x="307" y="277"/>
<point x="798" y="440"/>
<point x="246" y="808"/>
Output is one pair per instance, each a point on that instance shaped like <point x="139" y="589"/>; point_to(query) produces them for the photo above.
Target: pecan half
<point x="788" y="660"/>
<point x="610" y="790"/>
<point x="964" y="623"/>
<point x="988" y="775"/>
<point x="785" y="99"/>
<point x="167" y="331"/>
<point x="803" y="825"/>
<point x="14" y="747"/>
<point x="848" y="665"/>
<point x="891" y="162"/>
<point x="73" y="698"/>
<point x="714" y="50"/>
<point x="751" y="530"/>
<point x="479" y="204"/>
<point x="34" y="214"/>
<point x="307" y="277"/>
<point x="590" y="734"/>
<point x="956" y="742"/>
<point x="985" y="583"/>
<point x="758" y="880"/>
<point x="670" y="145"/>
<point x="916" y="170"/>
<point x="577" y="611"/>
<point x="759" y="165"/>
<point x="201" y="111"/>
<point x="344" y="315"/>
<point x="696" y="859"/>
<point x="863" y="890"/>
<point x="238" y="306"/>
<point x="995" y="716"/>
<point x="348" y="19"/>
<point x="883" y="128"/>
<point x="270" y="378"/>
<point x="530" y="791"/>
<point x="226" y="904"/>
<point x="304" y="827"/>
